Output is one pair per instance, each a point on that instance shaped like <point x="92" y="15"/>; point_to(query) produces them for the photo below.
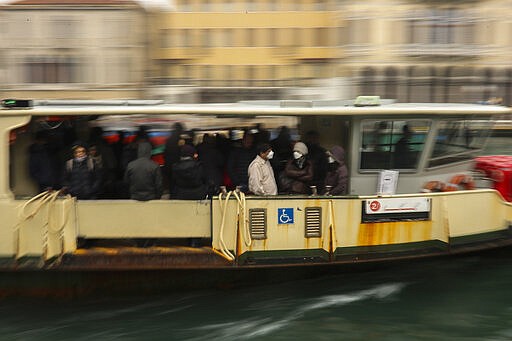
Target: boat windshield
<point x="459" y="140"/>
<point x="393" y="144"/>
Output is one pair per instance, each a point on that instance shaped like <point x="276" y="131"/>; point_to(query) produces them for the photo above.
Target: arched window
<point x="367" y="83"/>
<point x="391" y="83"/>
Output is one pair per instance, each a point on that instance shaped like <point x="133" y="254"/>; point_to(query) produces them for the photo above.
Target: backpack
<point x="90" y="165"/>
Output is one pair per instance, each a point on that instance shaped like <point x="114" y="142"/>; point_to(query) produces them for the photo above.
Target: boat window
<point x="459" y="140"/>
<point x="40" y="150"/>
<point x="393" y="144"/>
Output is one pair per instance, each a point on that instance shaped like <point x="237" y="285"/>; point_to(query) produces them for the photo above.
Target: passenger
<point x="81" y="178"/>
<point x="318" y="157"/>
<point x="105" y="160"/>
<point x="143" y="175"/>
<point x="262" y="135"/>
<point x="239" y="160"/>
<point x="403" y="156"/>
<point x="43" y="166"/>
<point x="282" y="145"/>
<point x="188" y="173"/>
<point x="337" y="172"/>
<point x="172" y="154"/>
<point x="298" y="173"/>
<point x="261" y="174"/>
<point x="382" y="137"/>
<point x="213" y="162"/>
<point x="130" y="149"/>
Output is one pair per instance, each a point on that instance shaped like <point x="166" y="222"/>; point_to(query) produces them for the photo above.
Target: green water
<point x="464" y="299"/>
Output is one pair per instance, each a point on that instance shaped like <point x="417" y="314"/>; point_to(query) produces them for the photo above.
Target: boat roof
<point x="259" y="108"/>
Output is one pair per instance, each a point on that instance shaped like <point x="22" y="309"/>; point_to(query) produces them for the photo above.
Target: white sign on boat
<point x="397" y="205"/>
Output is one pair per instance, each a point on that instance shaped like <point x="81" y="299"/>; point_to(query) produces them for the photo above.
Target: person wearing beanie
<point x="143" y="175"/>
<point x="189" y="178"/>
<point x="298" y="172"/>
<point x="261" y="174"/>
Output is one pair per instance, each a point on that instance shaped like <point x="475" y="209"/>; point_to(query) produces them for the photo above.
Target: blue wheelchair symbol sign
<point x="285" y="215"/>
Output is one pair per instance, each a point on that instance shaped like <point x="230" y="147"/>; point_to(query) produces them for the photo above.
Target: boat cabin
<point x="391" y="151"/>
<point x="421" y="142"/>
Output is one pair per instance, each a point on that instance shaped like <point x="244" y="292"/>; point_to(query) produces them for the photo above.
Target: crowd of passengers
<point x="255" y="164"/>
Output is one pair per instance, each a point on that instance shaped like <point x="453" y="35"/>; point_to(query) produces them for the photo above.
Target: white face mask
<point x="330" y="159"/>
<point x="297" y="155"/>
<point x="270" y="155"/>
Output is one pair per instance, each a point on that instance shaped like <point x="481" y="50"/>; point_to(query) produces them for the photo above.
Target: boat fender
<point x="434" y="186"/>
<point x="462" y="181"/>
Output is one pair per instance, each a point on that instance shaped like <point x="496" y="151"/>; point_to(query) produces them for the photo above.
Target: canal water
<point x="468" y="298"/>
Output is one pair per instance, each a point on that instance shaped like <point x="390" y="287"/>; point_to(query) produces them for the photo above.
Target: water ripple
<point x="254" y="327"/>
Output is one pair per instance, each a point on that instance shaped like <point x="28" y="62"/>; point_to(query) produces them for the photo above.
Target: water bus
<point x="394" y="211"/>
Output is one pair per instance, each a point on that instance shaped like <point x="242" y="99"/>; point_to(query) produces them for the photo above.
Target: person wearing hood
<point x="143" y="175"/>
<point x="189" y="177"/>
<point x="337" y="172"/>
<point x="261" y="174"/>
<point x="298" y="172"/>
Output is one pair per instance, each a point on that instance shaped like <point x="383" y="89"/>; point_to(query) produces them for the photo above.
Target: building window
<point x="50" y="70"/>
<point x="65" y="29"/>
<point x="358" y="31"/>
<point x="441" y="26"/>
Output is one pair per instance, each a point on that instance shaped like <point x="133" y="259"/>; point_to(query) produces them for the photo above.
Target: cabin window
<point x="392" y="144"/>
<point x="40" y="150"/>
<point x="459" y="140"/>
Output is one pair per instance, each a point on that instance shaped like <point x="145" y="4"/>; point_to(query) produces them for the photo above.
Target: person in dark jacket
<point x="213" y="162"/>
<point x="337" y="172"/>
<point x="298" y="173"/>
<point x="81" y="178"/>
<point x="282" y="146"/>
<point x="239" y="160"/>
<point x="172" y="155"/>
<point x="143" y="175"/>
<point x="43" y="167"/>
<point x="318" y="157"/>
<point x="189" y="177"/>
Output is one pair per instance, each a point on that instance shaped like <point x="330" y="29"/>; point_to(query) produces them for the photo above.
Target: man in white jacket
<point x="261" y="174"/>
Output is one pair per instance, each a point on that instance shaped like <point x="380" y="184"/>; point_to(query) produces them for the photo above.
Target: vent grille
<point x="313" y="225"/>
<point x="258" y="223"/>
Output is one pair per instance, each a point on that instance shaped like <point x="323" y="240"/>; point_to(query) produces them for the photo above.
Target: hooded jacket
<point x="143" y="175"/>
<point x="338" y="177"/>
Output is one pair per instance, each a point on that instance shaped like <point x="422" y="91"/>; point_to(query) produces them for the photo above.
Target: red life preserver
<point x="434" y="186"/>
<point x="462" y="181"/>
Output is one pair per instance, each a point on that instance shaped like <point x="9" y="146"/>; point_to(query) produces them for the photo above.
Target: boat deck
<point x="136" y="258"/>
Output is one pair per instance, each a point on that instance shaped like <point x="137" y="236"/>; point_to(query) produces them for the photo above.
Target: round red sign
<point x="374" y="205"/>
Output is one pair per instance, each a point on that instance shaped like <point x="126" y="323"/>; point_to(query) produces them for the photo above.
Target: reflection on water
<point x="447" y="299"/>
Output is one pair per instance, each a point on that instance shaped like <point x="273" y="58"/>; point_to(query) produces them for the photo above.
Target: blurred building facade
<point x="259" y="49"/>
<point x="229" y="50"/>
<point x="430" y="51"/>
<point x="70" y="49"/>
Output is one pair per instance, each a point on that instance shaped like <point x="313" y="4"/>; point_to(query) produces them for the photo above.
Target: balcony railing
<point x="454" y="49"/>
